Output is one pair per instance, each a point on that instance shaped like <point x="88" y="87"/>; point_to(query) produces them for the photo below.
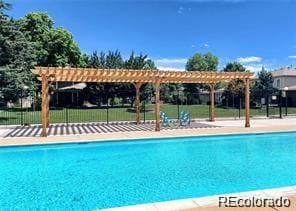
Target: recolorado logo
<point x="233" y="201"/>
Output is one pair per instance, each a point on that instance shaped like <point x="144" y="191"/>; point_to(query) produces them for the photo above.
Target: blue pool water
<point x="101" y="175"/>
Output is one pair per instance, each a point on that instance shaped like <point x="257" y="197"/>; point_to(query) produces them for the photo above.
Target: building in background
<point x="67" y="94"/>
<point x="285" y="80"/>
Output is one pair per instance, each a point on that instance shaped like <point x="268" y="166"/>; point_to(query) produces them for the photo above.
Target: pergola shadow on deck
<point x="48" y="75"/>
<point x="93" y="128"/>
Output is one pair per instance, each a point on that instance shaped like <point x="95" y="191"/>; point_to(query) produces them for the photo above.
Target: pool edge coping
<point x="206" y="201"/>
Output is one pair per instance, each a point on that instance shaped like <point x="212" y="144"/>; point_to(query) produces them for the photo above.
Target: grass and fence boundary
<point x="19" y="116"/>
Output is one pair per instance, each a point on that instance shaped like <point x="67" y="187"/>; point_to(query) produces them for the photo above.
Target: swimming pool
<point x="110" y="174"/>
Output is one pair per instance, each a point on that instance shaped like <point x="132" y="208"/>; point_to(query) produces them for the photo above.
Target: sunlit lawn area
<point x="13" y="116"/>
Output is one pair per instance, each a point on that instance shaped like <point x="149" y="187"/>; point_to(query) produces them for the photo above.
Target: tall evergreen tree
<point x="265" y="80"/>
<point x="16" y="59"/>
<point x="136" y="62"/>
<point x="114" y="60"/>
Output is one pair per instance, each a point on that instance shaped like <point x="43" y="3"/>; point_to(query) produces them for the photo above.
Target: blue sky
<point x="254" y="32"/>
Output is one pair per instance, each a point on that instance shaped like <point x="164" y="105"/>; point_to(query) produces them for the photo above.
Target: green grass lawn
<point x="12" y="116"/>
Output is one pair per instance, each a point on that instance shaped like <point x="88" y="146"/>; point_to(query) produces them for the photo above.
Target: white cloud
<point x="165" y="60"/>
<point x="254" y="68"/>
<point x="171" y="63"/>
<point x="206" y="45"/>
<point x="170" y="68"/>
<point x="180" y="10"/>
<point x="249" y="59"/>
<point x="292" y="57"/>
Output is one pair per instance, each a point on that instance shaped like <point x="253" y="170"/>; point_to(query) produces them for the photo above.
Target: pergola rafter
<point x="136" y="77"/>
<point x="129" y="76"/>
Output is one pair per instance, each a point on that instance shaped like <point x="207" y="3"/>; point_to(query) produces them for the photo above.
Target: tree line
<point x="34" y="41"/>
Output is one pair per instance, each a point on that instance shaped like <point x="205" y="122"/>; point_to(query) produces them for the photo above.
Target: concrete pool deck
<point x="211" y="203"/>
<point x="225" y="127"/>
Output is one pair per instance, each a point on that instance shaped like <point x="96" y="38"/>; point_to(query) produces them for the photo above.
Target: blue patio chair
<point x="184" y="118"/>
<point x="165" y="120"/>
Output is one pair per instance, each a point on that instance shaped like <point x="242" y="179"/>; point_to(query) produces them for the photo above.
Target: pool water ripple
<point x="111" y="174"/>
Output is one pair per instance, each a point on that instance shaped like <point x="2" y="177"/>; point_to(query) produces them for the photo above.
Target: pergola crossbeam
<point x="112" y="75"/>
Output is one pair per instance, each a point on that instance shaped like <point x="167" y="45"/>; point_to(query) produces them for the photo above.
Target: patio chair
<point x="165" y="120"/>
<point x="184" y="118"/>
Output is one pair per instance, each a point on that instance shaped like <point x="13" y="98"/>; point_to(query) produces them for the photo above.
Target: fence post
<point x="178" y="101"/>
<point x="267" y="104"/>
<point x="280" y="104"/>
<point x="22" y="117"/>
<point x="107" y="109"/>
<point x="286" y="109"/>
<point x="209" y="109"/>
<point x="144" y="107"/>
<point x="67" y="116"/>
<point x="239" y="107"/>
<point x="233" y="104"/>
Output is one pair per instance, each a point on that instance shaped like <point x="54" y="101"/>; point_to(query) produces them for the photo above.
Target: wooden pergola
<point x="49" y="75"/>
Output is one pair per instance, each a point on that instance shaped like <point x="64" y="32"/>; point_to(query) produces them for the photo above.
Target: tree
<point x="265" y="80"/>
<point x="235" y="88"/>
<point x="60" y="49"/>
<point x="149" y="65"/>
<point x="202" y="62"/>
<point x="86" y="60"/>
<point x="28" y="42"/>
<point x="111" y="60"/>
<point x="262" y="87"/>
<point x="36" y="25"/>
<point x="114" y="60"/>
<point x="97" y="60"/>
<point x="53" y="46"/>
<point x="4" y="6"/>
<point x="199" y="62"/>
<point x="234" y="67"/>
<point x="235" y="85"/>
<point x="136" y="62"/>
<point x="16" y="59"/>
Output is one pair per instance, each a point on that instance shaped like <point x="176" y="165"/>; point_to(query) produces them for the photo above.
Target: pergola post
<point x="247" y="102"/>
<point x="44" y="105"/>
<point x="47" y="106"/>
<point x="212" y="102"/>
<point x="138" y="86"/>
<point x="157" y="106"/>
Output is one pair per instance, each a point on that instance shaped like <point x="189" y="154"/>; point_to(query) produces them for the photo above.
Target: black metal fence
<point x="78" y="106"/>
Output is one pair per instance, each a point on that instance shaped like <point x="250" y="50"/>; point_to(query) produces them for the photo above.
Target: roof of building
<point x="285" y="71"/>
<point x="290" y="88"/>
